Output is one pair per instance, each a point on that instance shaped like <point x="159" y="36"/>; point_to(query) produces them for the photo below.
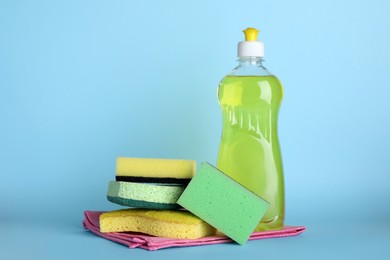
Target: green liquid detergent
<point x="249" y="151"/>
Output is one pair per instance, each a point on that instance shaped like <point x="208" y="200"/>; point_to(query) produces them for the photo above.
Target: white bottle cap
<point x="250" y="47"/>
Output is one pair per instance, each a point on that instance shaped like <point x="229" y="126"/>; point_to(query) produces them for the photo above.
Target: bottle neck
<point x="250" y="61"/>
<point x="250" y="66"/>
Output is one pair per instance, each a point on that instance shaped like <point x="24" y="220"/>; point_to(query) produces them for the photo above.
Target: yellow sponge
<point x="154" y="170"/>
<point x="164" y="223"/>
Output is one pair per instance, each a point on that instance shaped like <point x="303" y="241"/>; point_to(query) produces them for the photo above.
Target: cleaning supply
<point x="249" y="151"/>
<point x="155" y="170"/>
<point x="164" y="223"/>
<point x="144" y="195"/>
<point x="223" y="203"/>
<point x="139" y="240"/>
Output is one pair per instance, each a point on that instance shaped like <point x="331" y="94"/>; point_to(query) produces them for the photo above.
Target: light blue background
<point x="82" y="82"/>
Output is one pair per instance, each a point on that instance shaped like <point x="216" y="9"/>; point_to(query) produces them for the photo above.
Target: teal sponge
<point x="223" y="203"/>
<point x="144" y="195"/>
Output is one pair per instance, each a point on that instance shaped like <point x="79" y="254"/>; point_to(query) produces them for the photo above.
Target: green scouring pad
<point x="223" y="203"/>
<point x="144" y="195"/>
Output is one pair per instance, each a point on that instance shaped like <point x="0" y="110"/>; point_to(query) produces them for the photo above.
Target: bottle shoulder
<point x="244" y="90"/>
<point x="249" y="80"/>
<point x="250" y="71"/>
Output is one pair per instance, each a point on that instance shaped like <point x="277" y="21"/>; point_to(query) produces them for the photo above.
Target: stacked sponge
<point x="152" y="187"/>
<point x="150" y="183"/>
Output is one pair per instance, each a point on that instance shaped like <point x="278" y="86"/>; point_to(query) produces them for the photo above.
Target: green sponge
<point x="144" y="195"/>
<point x="223" y="203"/>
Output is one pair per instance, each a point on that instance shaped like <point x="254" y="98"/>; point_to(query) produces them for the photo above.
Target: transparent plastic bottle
<point x="249" y="151"/>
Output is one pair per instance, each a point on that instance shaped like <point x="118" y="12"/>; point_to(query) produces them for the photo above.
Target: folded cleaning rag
<point x="133" y="240"/>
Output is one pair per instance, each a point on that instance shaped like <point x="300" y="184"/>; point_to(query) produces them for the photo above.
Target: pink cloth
<point x="133" y="240"/>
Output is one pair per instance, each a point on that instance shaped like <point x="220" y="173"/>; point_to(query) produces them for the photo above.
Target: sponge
<point x="155" y="170"/>
<point x="164" y="223"/>
<point x="144" y="195"/>
<point x="223" y="203"/>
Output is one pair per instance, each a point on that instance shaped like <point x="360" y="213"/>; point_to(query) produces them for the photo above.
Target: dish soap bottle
<point x="249" y="151"/>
